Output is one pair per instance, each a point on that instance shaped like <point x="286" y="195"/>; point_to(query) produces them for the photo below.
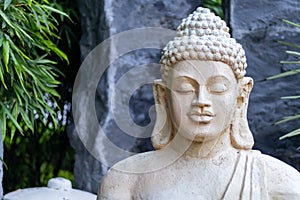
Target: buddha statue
<point x="202" y="139"/>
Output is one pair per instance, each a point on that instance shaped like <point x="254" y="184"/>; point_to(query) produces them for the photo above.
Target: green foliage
<point x="38" y="149"/>
<point x="28" y="73"/>
<point x="33" y="159"/>
<point x="215" y="6"/>
<point x="296" y="54"/>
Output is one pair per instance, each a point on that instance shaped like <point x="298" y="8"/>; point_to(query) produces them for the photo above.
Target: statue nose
<point x="202" y="98"/>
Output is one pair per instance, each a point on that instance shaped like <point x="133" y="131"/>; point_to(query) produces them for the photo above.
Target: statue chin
<point x="204" y="147"/>
<point x="204" y="133"/>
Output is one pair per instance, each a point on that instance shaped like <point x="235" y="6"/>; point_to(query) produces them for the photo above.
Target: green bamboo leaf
<point x="52" y="92"/>
<point x="46" y="1"/>
<point x="56" y="11"/>
<point x="48" y="71"/>
<point x="60" y="54"/>
<point x="295" y="53"/>
<point x="32" y="117"/>
<point x="2" y="76"/>
<point x="41" y="109"/>
<point x="22" y="16"/>
<point x="291" y="97"/>
<point x="291" y="134"/>
<point x="18" y="92"/>
<point x="289" y="44"/>
<point x="291" y="23"/>
<point x="19" y="35"/>
<point x="288" y="73"/>
<point x="5" y="54"/>
<point x="22" y="81"/>
<point x="43" y="61"/>
<point x="287" y="119"/>
<point x="1" y="39"/>
<point x="6" y="19"/>
<point x="28" y="71"/>
<point x="290" y="62"/>
<point x="1" y="159"/>
<point x="46" y="23"/>
<point x="12" y="79"/>
<point x="12" y="133"/>
<point x="7" y="3"/>
<point x="29" y="30"/>
<point x="26" y="119"/>
<point x="3" y="123"/>
<point x="37" y="19"/>
<point x="35" y="92"/>
<point x="23" y="32"/>
<point x="15" y="110"/>
<point x="11" y="117"/>
<point x="54" y="121"/>
<point x="18" y="50"/>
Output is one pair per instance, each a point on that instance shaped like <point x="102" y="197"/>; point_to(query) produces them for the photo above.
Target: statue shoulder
<point x="114" y="185"/>
<point x="122" y="177"/>
<point x="282" y="179"/>
<point x="138" y="163"/>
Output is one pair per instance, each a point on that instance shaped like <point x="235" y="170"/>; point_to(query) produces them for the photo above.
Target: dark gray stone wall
<point x="101" y="19"/>
<point x="87" y="170"/>
<point x="258" y="27"/>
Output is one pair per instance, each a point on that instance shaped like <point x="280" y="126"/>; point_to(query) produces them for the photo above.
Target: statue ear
<point x="245" y="87"/>
<point x="241" y="136"/>
<point x="162" y="131"/>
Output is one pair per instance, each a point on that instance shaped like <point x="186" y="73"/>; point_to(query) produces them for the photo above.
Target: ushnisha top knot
<point x="204" y="36"/>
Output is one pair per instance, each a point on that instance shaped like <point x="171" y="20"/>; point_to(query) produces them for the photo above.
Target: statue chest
<point x="188" y="182"/>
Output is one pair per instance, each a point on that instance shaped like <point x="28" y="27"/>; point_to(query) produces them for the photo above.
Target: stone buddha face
<point x="203" y="89"/>
<point x="202" y="98"/>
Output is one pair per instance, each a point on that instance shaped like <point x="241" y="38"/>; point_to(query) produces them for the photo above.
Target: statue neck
<point x="205" y="149"/>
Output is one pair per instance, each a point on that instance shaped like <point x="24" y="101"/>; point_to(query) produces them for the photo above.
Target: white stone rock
<point x="58" y="189"/>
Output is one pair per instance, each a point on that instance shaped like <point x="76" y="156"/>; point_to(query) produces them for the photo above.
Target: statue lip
<point x="201" y="117"/>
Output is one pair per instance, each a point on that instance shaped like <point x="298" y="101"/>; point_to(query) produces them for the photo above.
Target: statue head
<point x="203" y="90"/>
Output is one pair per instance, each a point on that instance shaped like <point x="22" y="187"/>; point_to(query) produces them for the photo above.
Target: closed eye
<point x="218" y="87"/>
<point x="218" y="84"/>
<point x="185" y="88"/>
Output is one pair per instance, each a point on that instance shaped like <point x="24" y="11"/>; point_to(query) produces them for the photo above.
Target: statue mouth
<point x="201" y="117"/>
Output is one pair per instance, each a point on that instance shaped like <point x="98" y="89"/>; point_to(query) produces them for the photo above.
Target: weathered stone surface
<point x="258" y="27"/>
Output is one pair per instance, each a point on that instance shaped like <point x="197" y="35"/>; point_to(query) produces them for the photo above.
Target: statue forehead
<point x="201" y="70"/>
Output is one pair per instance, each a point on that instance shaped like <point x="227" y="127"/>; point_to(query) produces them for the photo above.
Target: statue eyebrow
<point x="218" y="76"/>
<point x="188" y="79"/>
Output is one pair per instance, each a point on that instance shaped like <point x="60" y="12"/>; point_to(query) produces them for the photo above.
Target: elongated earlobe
<point x="241" y="136"/>
<point x="162" y="131"/>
